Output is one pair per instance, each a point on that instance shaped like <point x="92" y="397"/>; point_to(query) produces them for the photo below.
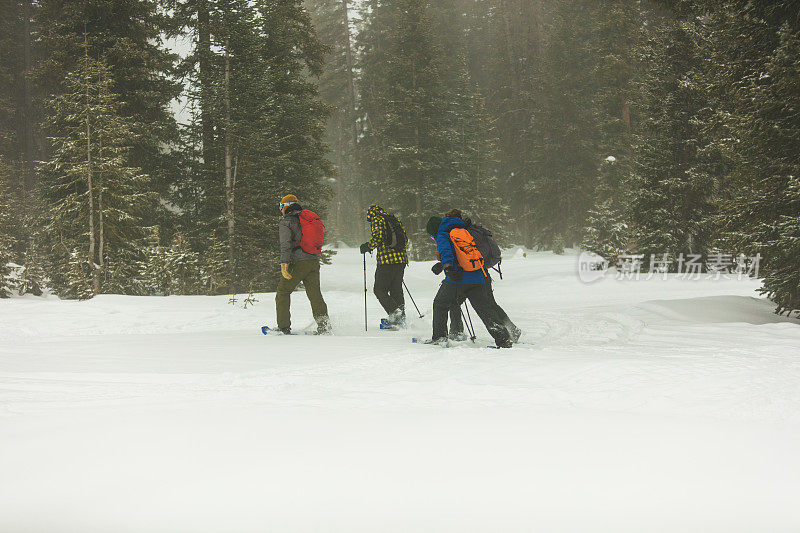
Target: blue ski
<point x="266" y="330"/>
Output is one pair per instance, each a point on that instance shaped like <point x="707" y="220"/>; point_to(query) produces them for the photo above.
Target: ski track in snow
<point x="659" y="356"/>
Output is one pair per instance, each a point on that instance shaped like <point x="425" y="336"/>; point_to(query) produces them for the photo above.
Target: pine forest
<point x="145" y="144"/>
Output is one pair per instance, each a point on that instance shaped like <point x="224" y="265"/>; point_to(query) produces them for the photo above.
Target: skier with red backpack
<point x="465" y="279"/>
<point x="300" y="232"/>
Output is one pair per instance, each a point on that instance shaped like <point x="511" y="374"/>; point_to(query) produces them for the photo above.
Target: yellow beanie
<point x="289" y="198"/>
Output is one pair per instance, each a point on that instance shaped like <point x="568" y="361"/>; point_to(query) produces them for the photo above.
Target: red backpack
<point x="312" y="228"/>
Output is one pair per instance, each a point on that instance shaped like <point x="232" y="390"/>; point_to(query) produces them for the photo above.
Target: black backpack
<point x="487" y="246"/>
<point x="397" y="235"/>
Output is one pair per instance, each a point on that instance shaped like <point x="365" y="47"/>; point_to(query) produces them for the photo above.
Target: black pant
<point x="457" y="323"/>
<point x="449" y="296"/>
<point x="389" y="287"/>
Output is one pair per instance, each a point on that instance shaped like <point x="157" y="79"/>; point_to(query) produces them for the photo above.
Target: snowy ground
<point x="640" y="406"/>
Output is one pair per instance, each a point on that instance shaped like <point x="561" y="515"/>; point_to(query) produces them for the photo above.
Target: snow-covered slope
<point x="637" y="406"/>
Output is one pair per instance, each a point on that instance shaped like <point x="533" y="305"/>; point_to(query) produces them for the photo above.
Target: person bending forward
<point x="460" y="284"/>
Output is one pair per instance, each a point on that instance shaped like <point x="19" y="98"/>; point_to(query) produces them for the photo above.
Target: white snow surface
<point x="633" y="406"/>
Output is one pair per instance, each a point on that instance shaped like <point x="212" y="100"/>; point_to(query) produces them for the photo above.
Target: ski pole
<point x="412" y="300"/>
<point x="468" y="324"/>
<point x="471" y="327"/>
<point x="365" y="292"/>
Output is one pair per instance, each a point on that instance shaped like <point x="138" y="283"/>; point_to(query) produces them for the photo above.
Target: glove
<point x="365" y="248"/>
<point x="285" y="271"/>
<point x="452" y="273"/>
<point x="437" y="268"/>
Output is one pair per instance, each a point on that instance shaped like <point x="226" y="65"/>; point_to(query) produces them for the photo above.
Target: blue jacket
<point x="447" y="254"/>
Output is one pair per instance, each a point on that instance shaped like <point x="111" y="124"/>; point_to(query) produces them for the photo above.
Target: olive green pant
<point x="307" y="272"/>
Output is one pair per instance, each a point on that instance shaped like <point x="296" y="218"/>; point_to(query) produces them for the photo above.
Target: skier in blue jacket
<point x="456" y="322"/>
<point x="460" y="284"/>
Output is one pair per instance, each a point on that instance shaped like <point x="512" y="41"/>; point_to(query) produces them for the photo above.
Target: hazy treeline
<point x="105" y="192"/>
<point x="640" y="127"/>
<point x="625" y="126"/>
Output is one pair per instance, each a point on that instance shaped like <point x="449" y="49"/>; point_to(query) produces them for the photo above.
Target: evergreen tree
<point x="405" y="146"/>
<point x="32" y="277"/>
<point x="168" y="270"/>
<point x="96" y="199"/>
<point x="77" y="277"/>
<point x="10" y="181"/>
<point x="618" y="33"/>
<point x="671" y="198"/>
<point x="616" y="40"/>
<point x="543" y="67"/>
<point x="337" y="89"/>
<point x="284" y="151"/>
<point x="20" y="138"/>
<point x="473" y="151"/>
<point x="8" y="59"/>
<point x="471" y="133"/>
<point x="188" y="195"/>
<point x="6" y="241"/>
<point x="128" y="35"/>
<point x="194" y="194"/>
<point x="563" y="156"/>
<point x="215" y="266"/>
<point x="428" y="144"/>
<point x="154" y="272"/>
<point x="120" y="274"/>
<point x="184" y="266"/>
<point x="608" y="232"/>
<point x="268" y="123"/>
<point x="507" y="57"/>
<point x="757" y="80"/>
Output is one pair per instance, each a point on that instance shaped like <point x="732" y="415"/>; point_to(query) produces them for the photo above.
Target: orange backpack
<point x="468" y="255"/>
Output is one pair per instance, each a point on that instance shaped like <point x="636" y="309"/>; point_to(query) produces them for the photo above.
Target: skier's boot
<point x="459" y="336"/>
<point x="397" y="318"/>
<point x="514" y="332"/>
<point x="441" y="341"/>
<point x="323" y="326"/>
<point x="285" y="331"/>
<point x="504" y="344"/>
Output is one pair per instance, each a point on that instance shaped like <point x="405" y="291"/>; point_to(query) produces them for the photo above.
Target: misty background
<point x="144" y="145"/>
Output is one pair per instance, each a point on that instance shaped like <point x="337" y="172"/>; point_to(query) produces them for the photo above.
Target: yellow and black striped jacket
<point x="380" y="235"/>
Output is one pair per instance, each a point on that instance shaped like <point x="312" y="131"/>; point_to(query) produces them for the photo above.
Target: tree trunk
<point x="418" y="192"/>
<point x="351" y="86"/>
<point x="352" y="118"/>
<point x="512" y="71"/>
<point x="89" y="177"/>
<point x="340" y="158"/>
<point x="101" y="232"/>
<point x="229" y="198"/>
<point x="28" y="137"/>
<point x="100" y="228"/>
<point x="204" y="65"/>
<point x="513" y="116"/>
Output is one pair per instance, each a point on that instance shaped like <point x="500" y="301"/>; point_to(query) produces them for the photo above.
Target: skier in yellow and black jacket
<point x="389" y="240"/>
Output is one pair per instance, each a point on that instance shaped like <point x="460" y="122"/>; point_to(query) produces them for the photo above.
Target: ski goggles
<point x="283" y="206"/>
